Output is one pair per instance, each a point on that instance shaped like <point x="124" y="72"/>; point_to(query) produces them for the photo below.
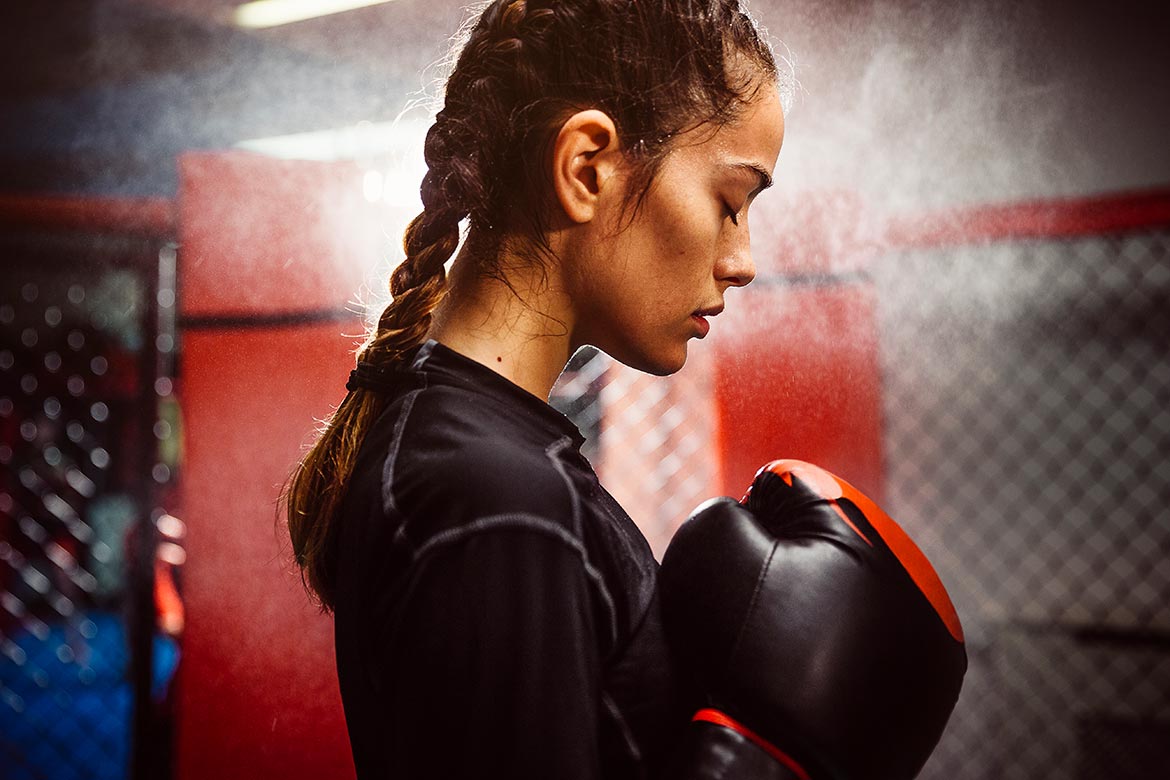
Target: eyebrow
<point x="765" y="179"/>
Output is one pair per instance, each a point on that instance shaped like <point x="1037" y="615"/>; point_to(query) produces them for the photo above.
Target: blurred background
<point x="963" y="307"/>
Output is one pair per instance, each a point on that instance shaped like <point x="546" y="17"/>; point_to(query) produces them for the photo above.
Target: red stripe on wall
<point x="1067" y="218"/>
<point x="149" y="216"/>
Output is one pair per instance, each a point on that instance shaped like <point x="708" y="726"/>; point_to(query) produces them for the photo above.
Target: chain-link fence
<point x="649" y="438"/>
<point x="1027" y="403"/>
<point x="79" y="440"/>
<point x="1027" y="440"/>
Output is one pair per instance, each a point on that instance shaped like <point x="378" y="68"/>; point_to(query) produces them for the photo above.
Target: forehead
<point x="753" y="138"/>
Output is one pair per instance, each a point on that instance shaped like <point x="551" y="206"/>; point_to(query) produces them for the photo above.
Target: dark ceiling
<point x="101" y="95"/>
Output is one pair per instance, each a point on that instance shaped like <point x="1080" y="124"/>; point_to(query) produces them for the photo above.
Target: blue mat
<point x="65" y="700"/>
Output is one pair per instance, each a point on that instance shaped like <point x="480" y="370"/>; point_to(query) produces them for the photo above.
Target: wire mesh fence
<point x="76" y="380"/>
<point x="1027" y="403"/>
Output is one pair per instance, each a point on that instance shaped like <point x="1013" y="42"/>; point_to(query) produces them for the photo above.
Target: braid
<point x="458" y="183"/>
<point x="419" y="283"/>
<point x="316" y="487"/>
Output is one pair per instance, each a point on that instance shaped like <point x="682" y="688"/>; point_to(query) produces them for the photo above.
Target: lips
<point x="700" y="319"/>
<point x="701" y="324"/>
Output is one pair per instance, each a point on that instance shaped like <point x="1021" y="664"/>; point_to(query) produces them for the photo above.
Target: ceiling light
<point x="353" y="142"/>
<point x="270" y="13"/>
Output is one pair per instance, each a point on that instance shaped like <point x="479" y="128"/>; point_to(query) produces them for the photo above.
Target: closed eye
<point x="732" y="213"/>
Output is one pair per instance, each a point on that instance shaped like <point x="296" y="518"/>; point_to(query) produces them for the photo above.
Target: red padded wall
<point x="264" y="236"/>
<point x="257" y="691"/>
<point x="799" y="378"/>
<point x="262" y="242"/>
<point x="797" y="371"/>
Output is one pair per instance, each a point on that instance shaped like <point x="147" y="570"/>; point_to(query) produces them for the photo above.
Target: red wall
<point x="799" y="378"/>
<point x="262" y="241"/>
<point x="257" y="693"/>
<point x="797" y="373"/>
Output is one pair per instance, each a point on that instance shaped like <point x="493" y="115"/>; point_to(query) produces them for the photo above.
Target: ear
<point x="585" y="158"/>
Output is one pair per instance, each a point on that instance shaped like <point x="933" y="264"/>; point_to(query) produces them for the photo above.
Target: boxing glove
<point x="810" y="629"/>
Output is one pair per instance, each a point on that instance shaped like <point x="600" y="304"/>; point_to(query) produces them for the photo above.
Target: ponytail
<point x="317" y="486"/>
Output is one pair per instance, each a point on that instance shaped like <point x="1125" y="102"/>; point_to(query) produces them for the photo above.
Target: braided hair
<point x="657" y="67"/>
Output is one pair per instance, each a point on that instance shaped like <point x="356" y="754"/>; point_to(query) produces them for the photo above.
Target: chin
<point x="657" y="362"/>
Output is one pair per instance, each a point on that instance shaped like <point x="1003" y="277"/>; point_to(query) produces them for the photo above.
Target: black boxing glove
<point x="813" y="635"/>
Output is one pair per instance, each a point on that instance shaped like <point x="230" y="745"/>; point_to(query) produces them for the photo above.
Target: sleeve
<point x="495" y="662"/>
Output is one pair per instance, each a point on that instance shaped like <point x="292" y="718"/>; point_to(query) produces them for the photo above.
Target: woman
<point x="495" y="608"/>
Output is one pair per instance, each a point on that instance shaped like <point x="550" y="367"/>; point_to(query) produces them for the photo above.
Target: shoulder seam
<point x="615" y="712"/>
<point x="532" y="523"/>
<point x="552" y="452"/>
<point x="388" y="503"/>
<point x="423" y="354"/>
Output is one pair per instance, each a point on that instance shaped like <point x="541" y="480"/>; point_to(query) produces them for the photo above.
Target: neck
<point x="519" y="327"/>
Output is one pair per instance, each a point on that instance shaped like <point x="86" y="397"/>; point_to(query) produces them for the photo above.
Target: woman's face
<point x="643" y="293"/>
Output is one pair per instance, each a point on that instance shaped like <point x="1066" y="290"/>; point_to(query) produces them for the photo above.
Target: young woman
<point x="495" y="609"/>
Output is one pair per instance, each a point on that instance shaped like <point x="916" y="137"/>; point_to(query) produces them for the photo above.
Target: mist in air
<point x="921" y="105"/>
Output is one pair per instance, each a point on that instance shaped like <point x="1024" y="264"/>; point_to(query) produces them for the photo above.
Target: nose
<point x="737" y="268"/>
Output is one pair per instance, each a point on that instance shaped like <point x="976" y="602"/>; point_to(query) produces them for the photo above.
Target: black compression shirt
<point x="496" y="609"/>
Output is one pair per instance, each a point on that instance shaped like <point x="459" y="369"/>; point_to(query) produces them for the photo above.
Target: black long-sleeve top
<point x="496" y="610"/>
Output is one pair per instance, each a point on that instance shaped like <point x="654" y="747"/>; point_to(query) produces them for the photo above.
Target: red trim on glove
<point x="841" y="514"/>
<point x="831" y="487"/>
<point x="721" y="719"/>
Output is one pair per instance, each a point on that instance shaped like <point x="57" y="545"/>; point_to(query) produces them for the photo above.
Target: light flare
<point x="272" y="13"/>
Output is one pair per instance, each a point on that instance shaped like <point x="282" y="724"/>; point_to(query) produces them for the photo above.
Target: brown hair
<point x="656" y="67"/>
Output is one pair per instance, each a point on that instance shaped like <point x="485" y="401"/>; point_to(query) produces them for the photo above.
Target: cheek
<point x="684" y="235"/>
